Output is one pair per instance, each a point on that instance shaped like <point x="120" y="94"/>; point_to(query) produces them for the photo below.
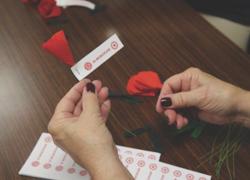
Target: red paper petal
<point x="145" y="83"/>
<point x="48" y="9"/>
<point x="59" y="47"/>
<point x="149" y="79"/>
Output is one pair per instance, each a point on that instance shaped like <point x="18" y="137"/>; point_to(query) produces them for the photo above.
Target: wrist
<point x="243" y="108"/>
<point x="105" y="164"/>
<point x="111" y="169"/>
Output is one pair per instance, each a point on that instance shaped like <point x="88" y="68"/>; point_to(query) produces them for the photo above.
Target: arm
<point x="78" y="126"/>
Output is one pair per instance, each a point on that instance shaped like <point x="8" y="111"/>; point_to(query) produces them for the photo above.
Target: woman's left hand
<point x="79" y="127"/>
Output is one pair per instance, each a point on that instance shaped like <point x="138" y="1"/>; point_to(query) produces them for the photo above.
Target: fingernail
<point x="90" y="87"/>
<point x="166" y="102"/>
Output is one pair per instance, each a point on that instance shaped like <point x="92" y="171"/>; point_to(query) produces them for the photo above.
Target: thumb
<point x="181" y="100"/>
<point x="90" y="101"/>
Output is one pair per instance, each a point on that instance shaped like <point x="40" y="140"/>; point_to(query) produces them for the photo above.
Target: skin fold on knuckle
<point x="203" y="100"/>
<point x="180" y="101"/>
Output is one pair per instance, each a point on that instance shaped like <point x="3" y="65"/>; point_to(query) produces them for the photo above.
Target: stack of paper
<point x="49" y="161"/>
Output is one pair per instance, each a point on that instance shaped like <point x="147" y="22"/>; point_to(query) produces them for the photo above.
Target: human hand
<point x="217" y="102"/>
<point x="78" y="127"/>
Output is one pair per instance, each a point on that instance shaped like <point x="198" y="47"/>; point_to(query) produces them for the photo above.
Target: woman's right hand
<point x="218" y="102"/>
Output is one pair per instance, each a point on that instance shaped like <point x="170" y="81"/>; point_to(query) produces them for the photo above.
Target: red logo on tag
<point x="47" y="166"/>
<point x="153" y="166"/>
<point x="35" y="163"/>
<point x="164" y="170"/>
<point x="177" y="173"/>
<point x="114" y="45"/>
<point x="71" y="170"/>
<point x="83" y="173"/>
<point x="88" y="66"/>
<point x="130" y="160"/>
<point x="190" y="177"/>
<point x="59" y="168"/>
<point x="141" y="163"/>
<point x="151" y="156"/>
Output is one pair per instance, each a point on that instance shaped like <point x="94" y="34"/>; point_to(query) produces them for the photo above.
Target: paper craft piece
<point x="152" y="170"/>
<point x="145" y="83"/>
<point x="48" y="9"/>
<point x="59" y="47"/>
<point x="97" y="57"/>
<point x="49" y="161"/>
<point x="82" y="3"/>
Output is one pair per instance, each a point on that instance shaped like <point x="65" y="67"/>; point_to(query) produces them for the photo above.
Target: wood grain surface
<point x="166" y="36"/>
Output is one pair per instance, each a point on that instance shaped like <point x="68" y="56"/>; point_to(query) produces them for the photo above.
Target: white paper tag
<point x="97" y="57"/>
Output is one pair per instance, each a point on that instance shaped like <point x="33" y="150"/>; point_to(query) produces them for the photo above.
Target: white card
<point x="152" y="170"/>
<point x="97" y="57"/>
<point x="50" y="162"/>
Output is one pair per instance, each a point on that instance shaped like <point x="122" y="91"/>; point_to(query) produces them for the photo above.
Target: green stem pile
<point x="224" y="153"/>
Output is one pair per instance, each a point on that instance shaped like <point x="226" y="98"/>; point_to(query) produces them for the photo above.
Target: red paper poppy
<point x="145" y="83"/>
<point x="49" y="9"/>
<point x="59" y="47"/>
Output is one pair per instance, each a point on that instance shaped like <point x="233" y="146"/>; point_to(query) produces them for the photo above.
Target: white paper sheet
<point x="50" y="162"/>
<point x="145" y="169"/>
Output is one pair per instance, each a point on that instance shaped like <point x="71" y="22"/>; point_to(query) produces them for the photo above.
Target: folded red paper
<point x="59" y="47"/>
<point x="145" y="83"/>
<point x="48" y="9"/>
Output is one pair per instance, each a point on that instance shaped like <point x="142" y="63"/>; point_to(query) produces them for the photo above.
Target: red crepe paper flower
<point x="49" y="9"/>
<point x="145" y="83"/>
<point x="59" y="47"/>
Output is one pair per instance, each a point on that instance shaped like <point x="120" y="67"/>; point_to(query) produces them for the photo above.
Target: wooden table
<point x="166" y="36"/>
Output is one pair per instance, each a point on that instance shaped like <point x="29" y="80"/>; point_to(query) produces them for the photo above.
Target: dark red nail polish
<point x="166" y="102"/>
<point x="90" y="87"/>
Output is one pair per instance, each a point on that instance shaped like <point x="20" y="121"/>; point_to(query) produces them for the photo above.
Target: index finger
<point x="166" y="89"/>
<point x="171" y="85"/>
